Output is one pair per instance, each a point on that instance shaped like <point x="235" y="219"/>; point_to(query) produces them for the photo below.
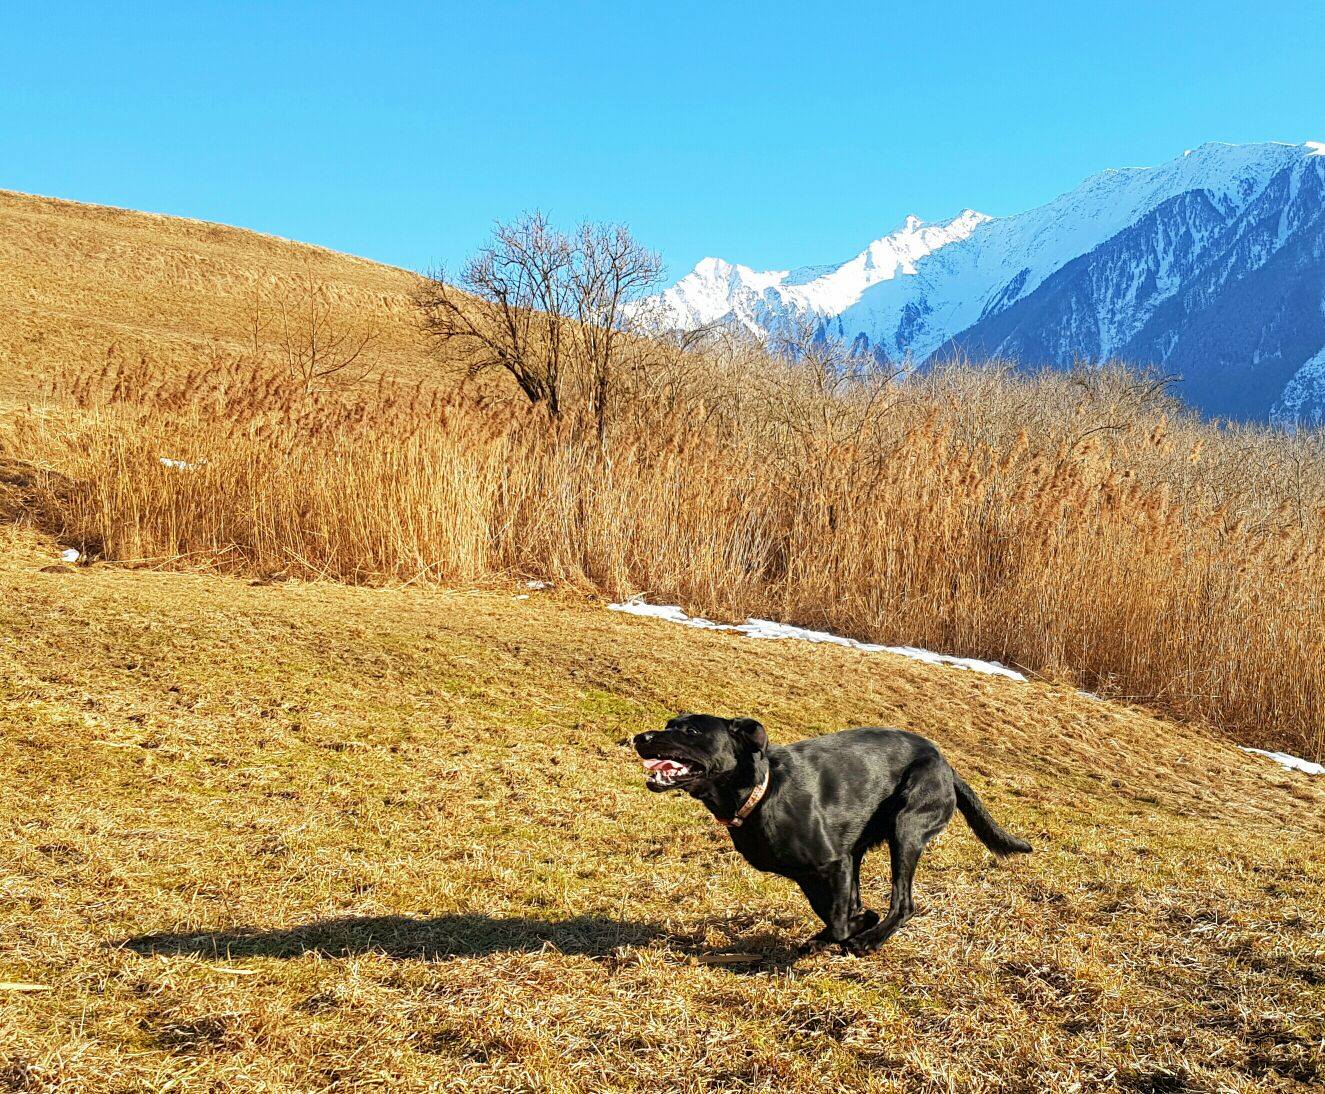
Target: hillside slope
<point x="304" y="836"/>
<point x="80" y="279"/>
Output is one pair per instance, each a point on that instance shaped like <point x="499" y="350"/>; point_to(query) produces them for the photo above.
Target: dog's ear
<point x="747" y="729"/>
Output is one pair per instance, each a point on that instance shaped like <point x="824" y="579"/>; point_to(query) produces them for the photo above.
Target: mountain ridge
<point x="1134" y="263"/>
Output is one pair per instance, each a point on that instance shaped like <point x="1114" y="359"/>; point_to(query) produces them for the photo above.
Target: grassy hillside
<point x="311" y="837"/>
<point x="80" y="279"/>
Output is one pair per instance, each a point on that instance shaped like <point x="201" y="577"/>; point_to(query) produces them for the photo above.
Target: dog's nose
<point x="643" y="738"/>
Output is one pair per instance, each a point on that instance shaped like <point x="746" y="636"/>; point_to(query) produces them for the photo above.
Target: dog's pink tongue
<point x="661" y="765"/>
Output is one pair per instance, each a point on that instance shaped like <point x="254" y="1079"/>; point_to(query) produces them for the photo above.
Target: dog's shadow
<point x="440" y="938"/>
<point x="403" y="936"/>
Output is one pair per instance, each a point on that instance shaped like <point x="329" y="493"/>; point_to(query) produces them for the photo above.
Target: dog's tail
<point x="996" y="838"/>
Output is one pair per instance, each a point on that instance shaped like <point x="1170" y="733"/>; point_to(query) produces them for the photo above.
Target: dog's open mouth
<point x="664" y="772"/>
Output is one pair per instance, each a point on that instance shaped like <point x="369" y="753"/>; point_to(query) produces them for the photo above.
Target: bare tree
<point x="610" y="274"/>
<point x="313" y="339"/>
<point x="554" y="312"/>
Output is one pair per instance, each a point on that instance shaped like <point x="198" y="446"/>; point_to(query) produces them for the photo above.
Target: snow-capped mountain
<point x="1211" y="266"/>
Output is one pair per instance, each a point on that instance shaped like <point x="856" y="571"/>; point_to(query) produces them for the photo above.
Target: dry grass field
<point x="84" y="281"/>
<point x="305" y="790"/>
<point x="313" y="837"/>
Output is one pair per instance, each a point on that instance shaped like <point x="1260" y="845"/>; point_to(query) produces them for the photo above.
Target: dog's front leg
<point x="830" y="893"/>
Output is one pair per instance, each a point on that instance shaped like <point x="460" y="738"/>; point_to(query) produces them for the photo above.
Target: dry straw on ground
<point x="309" y="837"/>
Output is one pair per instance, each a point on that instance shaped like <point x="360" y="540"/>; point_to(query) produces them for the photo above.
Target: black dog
<point x="811" y="810"/>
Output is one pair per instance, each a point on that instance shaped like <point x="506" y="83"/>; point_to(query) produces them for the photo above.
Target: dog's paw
<point x="859" y="946"/>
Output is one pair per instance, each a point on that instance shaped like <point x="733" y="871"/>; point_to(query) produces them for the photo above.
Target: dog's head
<point x="696" y="751"/>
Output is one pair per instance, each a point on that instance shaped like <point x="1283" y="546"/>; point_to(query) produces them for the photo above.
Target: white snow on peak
<point x="1010" y="257"/>
<point x="716" y="289"/>
<point x="768" y="629"/>
<point x="1302" y="401"/>
<point x="913" y="289"/>
<point x="897" y="254"/>
<point x="1314" y="148"/>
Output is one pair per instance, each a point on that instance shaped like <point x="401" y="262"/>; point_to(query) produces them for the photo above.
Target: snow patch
<point x="1293" y="763"/>
<point x="70" y="555"/>
<point x="768" y="629"/>
<point x="178" y="465"/>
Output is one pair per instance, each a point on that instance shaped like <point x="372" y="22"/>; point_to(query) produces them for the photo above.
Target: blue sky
<point x="773" y="134"/>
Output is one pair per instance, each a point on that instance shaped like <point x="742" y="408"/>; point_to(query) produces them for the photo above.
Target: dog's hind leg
<point x="927" y="806"/>
<point x="861" y="918"/>
<point x="856" y="905"/>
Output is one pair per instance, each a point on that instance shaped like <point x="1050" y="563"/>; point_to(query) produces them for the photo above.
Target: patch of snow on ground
<point x="766" y="628"/>
<point x="70" y="554"/>
<point x="1293" y="763"/>
<point x="177" y="465"/>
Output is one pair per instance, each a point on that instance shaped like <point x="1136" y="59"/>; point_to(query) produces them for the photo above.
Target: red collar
<point x="756" y="796"/>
